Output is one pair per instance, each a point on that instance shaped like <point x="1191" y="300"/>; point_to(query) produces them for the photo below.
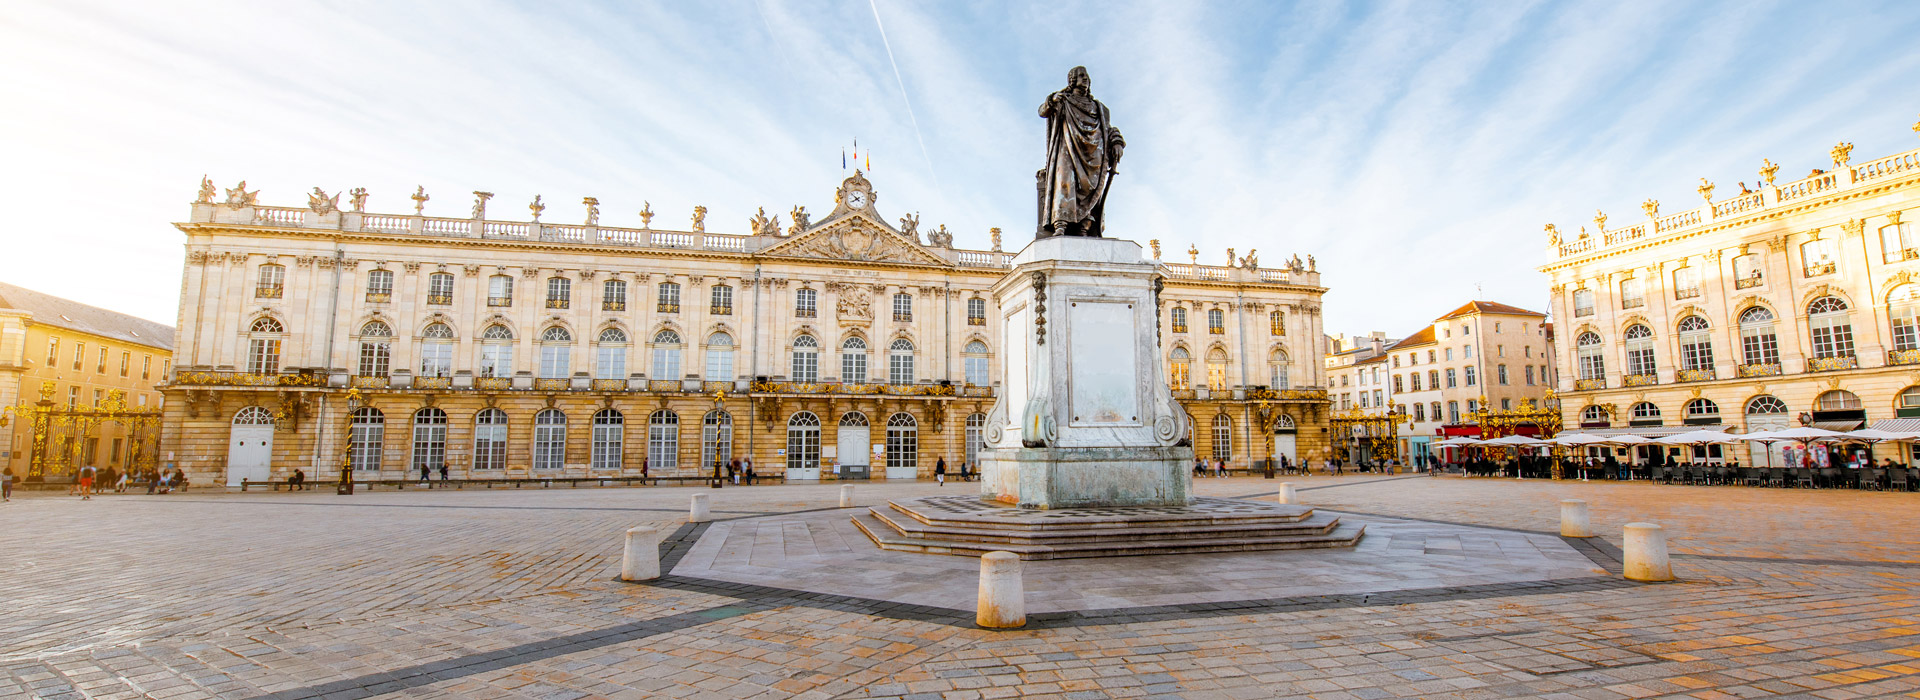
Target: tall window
<point x="610" y="356"/>
<point x="1529" y="375"/>
<point x="53" y="351"/>
<point x="976" y="436"/>
<point x="805" y="364"/>
<point x="500" y="290"/>
<point x="79" y="355"/>
<point x="559" y="292"/>
<point x="1686" y="282"/>
<point x="429" y="439"/>
<point x="1179" y="374"/>
<point x="549" y="439"/>
<point x="900" y="362"/>
<point x="556" y="349"/>
<point x="272" y="283"/>
<point x="1453" y="412"/>
<point x="805" y="303"/>
<point x="1413" y="381"/>
<point x="1903" y="310"/>
<point x="100" y="360"/>
<point x="669" y="298"/>
<point x="1583" y="302"/>
<point x="1453" y="378"/>
<point x="440" y="289"/>
<point x="1696" y="344"/>
<point x="126" y="362"/>
<point x="722" y="298"/>
<point x="716" y="438"/>
<point x="1758" y="344"/>
<point x="609" y="437"/>
<point x="903" y="442"/>
<point x="613" y="295"/>
<point x="146" y="366"/>
<point x="367" y="432"/>
<point x="1179" y="319"/>
<point x="496" y="351"/>
<point x="1222" y="437"/>
<point x="1593" y="363"/>
<point x="1278" y="322"/>
<point x="1502" y="369"/>
<point x="663" y="440"/>
<point x="803" y="441"/>
<point x="379" y="285"/>
<point x="490" y="439"/>
<point x="263" y="346"/>
<point x="1216" y="322"/>
<point x="853" y="361"/>
<point x="1471" y="378"/>
<point x="1746" y="271"/>
<point x="1832" y="330"/>
<point x="719" y="358"/>
<point x="1633" y="293"/>
<point x="1277" y="366"/>
<point x="976" y="312"/>
<point x="436" y="350"/>
<point x="376" y="349"/>
<point x="1817" y="257"/>
<point x="1897" y="243"/>
<point x="1216" y="370"/>
<point x="902" y="307"/>
<point x="1639" y="350"/>
<point x="666" y="355"/>
<point x="976" y="359"/>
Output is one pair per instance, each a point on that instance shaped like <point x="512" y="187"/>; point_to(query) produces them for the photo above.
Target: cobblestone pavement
<point x="511" y="594"/>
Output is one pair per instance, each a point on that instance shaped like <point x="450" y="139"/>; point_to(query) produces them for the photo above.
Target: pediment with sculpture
<point x="856" y="231"/>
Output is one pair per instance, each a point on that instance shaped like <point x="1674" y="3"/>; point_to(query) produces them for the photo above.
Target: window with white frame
<point x="1633" y="293"/>
<point x="490" y="440"/>
<point x="376" y="349"/>
<point x="436" y="350"/>
<point x="1593" y="362"/>
<point x="496" y="352"/>
<point x="613" y="295"/>
<point x="1817" y="257"/>
<point x="663" y="441"/>
<point x="805" y="303"/>
<point x="976" y="436"/>
<point x="263" y="346"/>
<point x="1277" y="366"/>
<point x="1472" y="379"/>
<point x="803" y="441"/>
<point x="1222" y="437"/>
<point x="549" y="439"/>
<point x="902" y="307"/>
<point x="500" y="290"/>
<point x="1178" y="363"/>
<point x="272" y="282"/>
<point x="975" y="357"/>
<point x="1832" y="330"/>
<point x="903" y="442"/>
<point x="900" y="362"/>
<point x="976" y="312"/>
<point x="666" y="355"/>
<point x="1216" y="322"/>
<point x="719" y="357"/>
<point x="1903" y="311"/>
<point x="556" y="349"/>
<point x="610" y="355"/>
<point x="1583" y="302"/>
<point x="440" y="289"/>
<point x="669" y="301"/>
<point x="721" y="298"/>
<point x="1639" y="350"/>
<point x="1686" y="282"/>
<point x="1747" y="271"/>
<point x="805" y="364"/>
<point x="853" y="360"/>
<point x="1897" y="244"/>
<point x="559" y="293"/>
<point x="609" y="439"/>
<point x="379" y="285"/>
<point x="1758" y="343"/>
<point x="1696" y="344"/>
<point x="366" y="437"/>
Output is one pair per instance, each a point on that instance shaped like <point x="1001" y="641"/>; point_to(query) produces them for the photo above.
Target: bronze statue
<point x="1082" y="150"/>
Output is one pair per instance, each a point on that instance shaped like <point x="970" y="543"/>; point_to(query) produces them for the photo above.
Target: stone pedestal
<point x="1085" y="417"/>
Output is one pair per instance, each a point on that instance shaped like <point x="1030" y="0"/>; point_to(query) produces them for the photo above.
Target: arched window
<point x="1837" y="400"/>
<point x="975" y="357"/>
<point x="496" y="352"/>
<point x="1759" y="346"/>
<point x="1277" y="367"/>
<point x="559" y="293"/>
<point x="379" y="285"/>
<point x="549" y="439"/>
<point x="719" y="357"/>
<point x="805" y="365"/>
<point x="1216" y="322"/>
<point x="1903" y="310"/>
<point x="366" y="435"/>
<point x="613" y="295"/>
<point x="610" y="355"/>
<point x="263" y="346"/>
<point x="666" y="355"/>
<point x="803" y="441"/>
<point x="1702" y="412"/>
<point x="1216" y="370"/>
<point x="272" y="283"/>
<point x="806" y="303"/>
<point x="1831" y="329"/>
<point x="1594" y="417"/>
<point x="902" y="307"/>
<point x="903" y="442"/>
<point x="716" y="438"/>
<point x="429" y="439"/>
<point x="490" y="439"/>
<point x="1696" y="344"/>
<point x="976" y="436"/>
<point x="253" y="415"/>
<point x="663" y="441"/>
<point x="1644" y="413"/>
<point x="609" y="438"/>
<point x="1593" y="364"/>
<point x="1278" y="322"/>
<point x="436" y="350"/>
<point x="1179" y="319"/>
<point x="853" y="360"/>
<point x="376" y="349"/>
<point x="440" y="289"/>
<point x="556" y="348"/>
<point x="669" y="298"/>
<point x="1765" y="405"/>
<point x="1180" y="376"/>
<point x="500" y="290"/>
<point x="1639" y="350"/>
<point x="722" y="298"/>
<point x="900" y="362"/>
<point x="1222" y="437"/>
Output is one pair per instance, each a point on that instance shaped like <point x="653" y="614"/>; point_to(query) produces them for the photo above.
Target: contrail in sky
<point x="903" y="98"/>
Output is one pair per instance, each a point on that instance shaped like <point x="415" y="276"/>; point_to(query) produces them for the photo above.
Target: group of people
<point x="89" y="480"/>
<point x="739" y="469"/>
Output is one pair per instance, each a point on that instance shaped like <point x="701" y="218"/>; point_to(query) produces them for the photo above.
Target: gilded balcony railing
<point x="1217" y="330"/>
<point x="1909" y="356"/>
<point x="371" y="382"/>
<point x="804" y="313"/>
<point x="1589" y="384"/>
<point x="903" y="316"/>
<point x="1817" y="270"/>
<point x="379" y="297"/>
<point x="722" y="311"/>
<point x="1831" y="364"/>
<point x="440" y="299"/>
<point x="609" y="385"/>
<point x="1747" y="282"/>
<point x="976" y="320"/>
<point x="1179" y="328"/>
<point x="230" y="378"/>
<point x="1633" y="303"/>
<point x="1694" y="375"/>
<point x="500" y="301"/>
<point x="1640" y="380"/>
<point x="1764" y="369"/>
<point x="559" y="303"/>
<point x="613" y="305"/>
<point x="663" y="385"/>
<point x="667" y="308"/>
<point x="432" y="382"/>
<point x="1687" y="293"/>
<point x="268" y="292"/>
<point x="493" y="383"/>
<point x="546" y="384"/>
<point x="710" y="386"/>
<point x="1187" y="394"/>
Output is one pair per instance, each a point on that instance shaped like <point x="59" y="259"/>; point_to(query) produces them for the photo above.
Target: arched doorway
<point x="250" y="446"/>
<point x="853" y="446"/>
<point x="1283" y="439"/>
<point x="803" y="446"/>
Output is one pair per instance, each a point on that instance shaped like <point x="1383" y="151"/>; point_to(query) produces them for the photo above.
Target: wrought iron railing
<point x="609" y="385"/>
<point x="500" y="301"/>
<point x="230" y="378"/>
<point x="1763" y="369"/>
<point x="1640" y="380"/>
<point x="1908" y="356"/>
<point x="1179" y="328"/>
<point x="440" y="299"/>
<point x="1831" y="364"/>
<point x="663" y="385"/>
<point x="268" y="292"/>
<point x="1589" y="384"/>
<point x="1694" y="375"/>
<point x="976" y="320"/>
<point x="903" y="316"/>
<point x="1817" y="270"/>
<point x="804" y="313"/>
<point x="493" y="383"/>
<point x="433" y="382"/>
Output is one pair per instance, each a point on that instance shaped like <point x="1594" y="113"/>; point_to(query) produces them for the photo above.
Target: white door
<point x="1283" y="447"/>
<point x="250" y="446"/>
<point x="854" y="444"/>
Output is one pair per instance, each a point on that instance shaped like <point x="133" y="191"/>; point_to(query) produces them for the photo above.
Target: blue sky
<point x="1416" y="149"/>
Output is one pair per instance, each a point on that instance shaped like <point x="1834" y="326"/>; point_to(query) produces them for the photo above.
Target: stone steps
<point x="945" y="525"/>
<point x="1304" y="525"/>
<point x="1081" y="519"/>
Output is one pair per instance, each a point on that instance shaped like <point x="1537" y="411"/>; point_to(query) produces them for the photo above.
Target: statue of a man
<point x="1082" y="150"/>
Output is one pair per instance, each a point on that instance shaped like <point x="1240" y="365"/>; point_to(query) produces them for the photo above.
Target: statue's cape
<point x="1077" y="155"/>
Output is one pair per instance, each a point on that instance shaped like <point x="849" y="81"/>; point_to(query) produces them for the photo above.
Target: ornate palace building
<point x="1793" y="302"/>
<point x="313" y="337"/>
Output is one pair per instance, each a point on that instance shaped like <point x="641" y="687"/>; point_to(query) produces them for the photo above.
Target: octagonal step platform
<point x="970" y="526"/>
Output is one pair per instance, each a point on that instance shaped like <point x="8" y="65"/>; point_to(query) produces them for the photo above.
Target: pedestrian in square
<point x="297" y="482"/>
<point x="940" y="471"/>
<point x="6" y="485"/>
<point x="426" y="473"/>
<point x="443" y="473"/>
<point x="86" y="482"/>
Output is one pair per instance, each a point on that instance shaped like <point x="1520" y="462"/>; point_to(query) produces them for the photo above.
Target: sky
<point x="1415" y="149"/>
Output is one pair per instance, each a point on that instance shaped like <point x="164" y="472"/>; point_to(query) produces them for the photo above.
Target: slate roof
<point x="72" y="315"/>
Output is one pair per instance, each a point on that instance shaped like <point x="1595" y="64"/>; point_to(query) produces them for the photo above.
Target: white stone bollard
<point x="1574" y="521"/>
<point x="1003" y="599"/>
<point x="697" y="511"/>
<point x="1645" y="545"/>
<point x="1286" y="494"/>
<point x="641" y="561"/>
<point x="846" y="496"/>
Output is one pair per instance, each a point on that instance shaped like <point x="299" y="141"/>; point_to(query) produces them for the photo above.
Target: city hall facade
<point x="317" y="337"/>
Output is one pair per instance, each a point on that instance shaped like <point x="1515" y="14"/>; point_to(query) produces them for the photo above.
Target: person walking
<point x="6" y="485"/>
<point x="426" y="474"/>
<point x="120" y="485"/>
<point x="940" y="471"/>
<point x="733" y="470"/>
<point x="297" y="482"/>
<point x="86" y="482"/>
<point x="749" y="467"/>
<point x="443" y="473"/>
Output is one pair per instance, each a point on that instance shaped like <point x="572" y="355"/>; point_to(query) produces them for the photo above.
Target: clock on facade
<point x="856" y="199"/>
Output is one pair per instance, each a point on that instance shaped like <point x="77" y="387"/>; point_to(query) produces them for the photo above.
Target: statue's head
<point x="1078" y="78"/>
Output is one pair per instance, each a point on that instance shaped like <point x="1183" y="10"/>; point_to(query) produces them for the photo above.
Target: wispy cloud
<point x="1415" y="148"/>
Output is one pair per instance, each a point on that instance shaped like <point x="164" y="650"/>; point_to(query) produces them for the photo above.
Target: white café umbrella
<point x="1519" y="440"/>
<point x="1804" y="434"/>
<point x="1697" y="437"/>
<point x="1629" y="440"/>
<point x="1871" y="435"/>
<point x="1460" y="442"/>
<point x="1578" y="440"/>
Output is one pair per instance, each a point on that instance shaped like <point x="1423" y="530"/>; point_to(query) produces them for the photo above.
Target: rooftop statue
<point x="1083" y="149"/>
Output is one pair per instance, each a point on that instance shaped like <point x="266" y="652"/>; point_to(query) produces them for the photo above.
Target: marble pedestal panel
<point x="1044" y="477"/>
